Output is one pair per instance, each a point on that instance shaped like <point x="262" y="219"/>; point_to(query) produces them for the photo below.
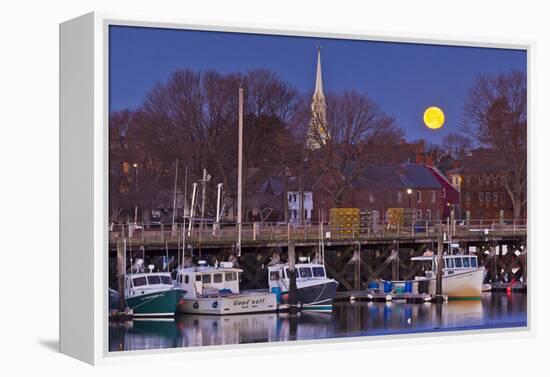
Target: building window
<point x="444" y="192"/>
<point x="399" y="196"/>
<point x="503" y="180"/>
<point x="419" y="214"/>
<point x="488" y="180"/>
<point x="495" y="197"/>
<point x="502" y="197"/>
<point x="468" y="180"/>
<point x="428" y="214"/>
<point x="487" y="196"/>
<point x="467" y="196"/>
<point x="419" y="197"/>
<point x="495" y="180"/>
<point x="480" y="196"/>
<point x="433" y="196"/>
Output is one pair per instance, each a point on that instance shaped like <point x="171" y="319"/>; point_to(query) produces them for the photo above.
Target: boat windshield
<point x="139" y="281"/>
<point x="318" y="272"/>
<point x="305" y="272"/>
<point x="153" y="279"/>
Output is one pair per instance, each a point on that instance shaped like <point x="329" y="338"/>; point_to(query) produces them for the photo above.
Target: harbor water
<point x="494" y="310"/>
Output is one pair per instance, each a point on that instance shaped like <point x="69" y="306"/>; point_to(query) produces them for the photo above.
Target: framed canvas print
<point x="224" y="187"/>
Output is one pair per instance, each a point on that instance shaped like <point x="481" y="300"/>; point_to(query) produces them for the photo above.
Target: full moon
<point x="434" y="117"/>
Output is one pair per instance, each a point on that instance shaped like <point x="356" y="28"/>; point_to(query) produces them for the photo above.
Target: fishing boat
<point x="151" y="294"/>
<point x="215" y="290"/>
<point x="315" y="291"/>
<point x="462" y="277"/>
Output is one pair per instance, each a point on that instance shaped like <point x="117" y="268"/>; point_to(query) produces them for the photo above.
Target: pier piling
<point x="292" y="299"/>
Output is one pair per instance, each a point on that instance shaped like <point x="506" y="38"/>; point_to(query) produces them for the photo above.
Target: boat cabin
<point x="451" y="263"/>
<point x="208" y="281"/>
<point x="147" y="282"/>
<point x="304" y="271"/>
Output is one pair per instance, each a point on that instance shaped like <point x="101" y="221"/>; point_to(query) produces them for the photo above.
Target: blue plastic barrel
<point x="277" y="291"/>
<point x="408" y="286"/>
<point x="373" y="285"/>
<point x="387" y="286"/>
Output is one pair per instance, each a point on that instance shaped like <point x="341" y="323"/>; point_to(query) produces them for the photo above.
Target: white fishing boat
<point x="462" y="277"/>
<point x="215" y="290"/>
<point x="315" y="291"/>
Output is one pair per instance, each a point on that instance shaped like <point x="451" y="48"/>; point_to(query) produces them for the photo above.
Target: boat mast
<point x="175" y="192"/>
<point x="240" y="174"/>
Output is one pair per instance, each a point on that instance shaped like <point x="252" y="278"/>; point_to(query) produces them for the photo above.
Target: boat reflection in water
<point x="197" y="330"/>
<point x="346" y="320"/>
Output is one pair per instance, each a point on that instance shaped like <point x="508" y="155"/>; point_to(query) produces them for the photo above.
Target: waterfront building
<point x="481" y="184"/>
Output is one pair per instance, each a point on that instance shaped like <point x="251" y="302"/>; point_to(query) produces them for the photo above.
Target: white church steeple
<point x="317" y="133"/>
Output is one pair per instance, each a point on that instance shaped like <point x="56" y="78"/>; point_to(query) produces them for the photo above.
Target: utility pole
<point x="240" y="174"/>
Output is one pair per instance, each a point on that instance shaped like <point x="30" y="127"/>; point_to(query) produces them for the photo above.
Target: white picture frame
<point x="84" y="188"/>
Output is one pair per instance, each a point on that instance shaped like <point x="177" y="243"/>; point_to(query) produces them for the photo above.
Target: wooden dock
<point x="516" y="287"/>
<point x="377" y="296"/>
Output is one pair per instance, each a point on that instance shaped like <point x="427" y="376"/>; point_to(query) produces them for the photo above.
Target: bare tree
<point x="357" y="132"/>
<point x="496" y="112"/>
<point x="193" y="116"/>
<point x="456" y="144"/>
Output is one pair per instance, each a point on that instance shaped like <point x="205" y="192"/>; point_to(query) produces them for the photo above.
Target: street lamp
<point x="409" y="192"/>
<point x="136" y="166"/>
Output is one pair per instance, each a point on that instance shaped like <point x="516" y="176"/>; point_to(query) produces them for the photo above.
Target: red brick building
<point x="481" y="186"/>
<point x="381" y="187"/>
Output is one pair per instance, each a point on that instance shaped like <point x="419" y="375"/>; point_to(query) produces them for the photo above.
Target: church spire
<point x="319" y="77"/>
<point x="317" y="134"/>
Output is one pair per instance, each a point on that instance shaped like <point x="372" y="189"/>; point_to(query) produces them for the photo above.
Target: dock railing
<point x="281" y="232"/>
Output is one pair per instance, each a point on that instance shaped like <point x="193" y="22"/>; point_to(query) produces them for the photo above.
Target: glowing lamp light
<point x="434" y="118"/>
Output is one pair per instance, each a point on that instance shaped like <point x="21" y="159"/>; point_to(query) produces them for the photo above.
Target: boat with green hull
<point x="152" y="294"/>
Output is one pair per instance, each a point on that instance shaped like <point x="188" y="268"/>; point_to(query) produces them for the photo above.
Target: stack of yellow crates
<point x="344" y="221"/>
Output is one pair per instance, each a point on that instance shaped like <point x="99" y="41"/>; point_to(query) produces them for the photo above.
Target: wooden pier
<point x="352" y="256"/>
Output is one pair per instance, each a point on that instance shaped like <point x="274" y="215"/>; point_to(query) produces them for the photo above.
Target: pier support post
<point x="120" y="262"/>
<point x="439" y="272"/>
<point x="357" y="267"/>
<point x="292" y="289"/>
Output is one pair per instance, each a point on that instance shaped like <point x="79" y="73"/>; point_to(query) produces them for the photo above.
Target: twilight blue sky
<point x="404" y="78"/>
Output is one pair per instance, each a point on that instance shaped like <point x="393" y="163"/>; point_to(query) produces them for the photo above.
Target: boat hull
<point x="315" y="295"/>
<point x="463" y="285"/>
<point x="257" y="302"/>
<point x="155" y="304"/>
<point x="459" y="285"/>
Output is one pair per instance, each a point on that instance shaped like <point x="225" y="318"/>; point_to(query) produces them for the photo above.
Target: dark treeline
<point x="192" y="117"/>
